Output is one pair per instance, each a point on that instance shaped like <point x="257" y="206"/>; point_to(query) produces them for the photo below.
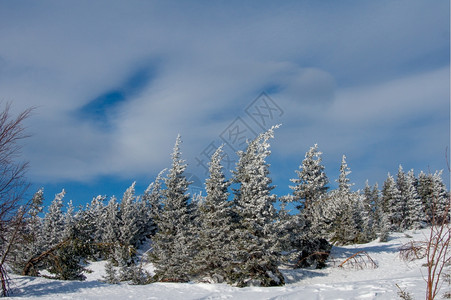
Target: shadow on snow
<point x="33" y="286"/>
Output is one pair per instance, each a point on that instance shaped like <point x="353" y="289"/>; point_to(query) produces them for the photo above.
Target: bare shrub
<point x="403" y="294"/>
<point x="438" y="255"/>
<point x="359" y="260"/>
<point x="413" y="250"/>
<point x="12" y="185"/>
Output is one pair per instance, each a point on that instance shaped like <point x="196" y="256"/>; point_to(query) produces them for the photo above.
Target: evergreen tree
<point x="310" y="191"/>
<point x="378" y="209"/>
<point x="69" y="219"/>
<point x="343" y="181"/>
<point x="87" y="223"/>
<point x="287" y="227"/>
<point x="36" y="204"/>
<point x="255" y="257"/>
<point x="96" y="211"/>
<point x="404" y="192"/>
<point x="216" y="224"/>
<point x="433" y="195"/>
<point x="311" y="183"/>
<point x="391" y="199"/>
<point x="347" y="225"/>
<point x="441" y="199"/>
<point x="384" y="228"/>
<point x="66" y="261"/>
<point x="72" y="246"/>
<point x="122" y="257"/>
<point x="425" y="191"/>
<point x="53" y="227"/>
<point x="110" y="274"/>
<point x="172" y="251"/>
<point x="31" y="236"/>
<point x="381" y="221"/>
<point x="368" y="212"/>
<point x="414" y="207"/>
<point x="130" y="218"/>
<point x="139" y="276"/>
<point x="110" y="221"/>
<point x="153" y="197"/>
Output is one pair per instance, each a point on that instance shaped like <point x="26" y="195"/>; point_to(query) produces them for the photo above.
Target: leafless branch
<point x="359" y="260"/>
<point x="438" y="255"/>
<point x="413" y="250"/>
<point x="12" y="185"/>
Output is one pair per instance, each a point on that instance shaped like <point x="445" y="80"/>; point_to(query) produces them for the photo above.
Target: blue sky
<point x="114" y="82"/>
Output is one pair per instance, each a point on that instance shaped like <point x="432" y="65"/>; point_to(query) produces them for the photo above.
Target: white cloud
<point x="343" y="74"/>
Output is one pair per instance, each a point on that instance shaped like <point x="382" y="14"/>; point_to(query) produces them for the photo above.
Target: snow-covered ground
<point x="330" y="283"/>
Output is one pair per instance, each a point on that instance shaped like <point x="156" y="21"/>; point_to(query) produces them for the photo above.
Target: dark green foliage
<point x="314" y="253"/>
<point x="66" y="262"/>
<point x="255" y="272"/>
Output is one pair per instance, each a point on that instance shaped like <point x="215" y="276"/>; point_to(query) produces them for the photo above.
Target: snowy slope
<point x="330" y="283"/>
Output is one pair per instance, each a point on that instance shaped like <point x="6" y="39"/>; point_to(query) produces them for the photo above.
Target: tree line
<point x="233" y="234"/>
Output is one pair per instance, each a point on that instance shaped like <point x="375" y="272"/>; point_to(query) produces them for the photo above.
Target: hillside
<point x="330" y="283"/>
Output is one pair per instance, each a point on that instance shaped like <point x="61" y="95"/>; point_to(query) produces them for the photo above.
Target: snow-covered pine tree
<point x="53" y="223"/>
<point x="368" y="212"/>
<point x="111" y="231"/>
<point x="110" y="221"/>
<point x="36" y="205"/>
<point x="255" y="259"/>
<point x="97" y="209"/>
<point x="153" y="198"/>
<point x="140" y="276"/>
<point x="35" y="222"/>
<point x="88" y="226"/>
<point x="291" y="243"/>
<point x="64" y="262"/>
<point x="381" y="222"/>
<point x="310" y="191"/>
<point x="391" y="199"/>
<point x="343" y="181"/>
<point x="403" y="187"/>
<point x="425" y="191"/>
<point x="30" y="244"/>
<point x="347" y="226"/>
<point x="287" y="227"/>
<point x="130" y="218"/>
<point x="142" y="210"/>
<point x="440" y="198"/>
<point x="111" y="276"/>
<point x="69" y="219"/>
<point x="118" y="232"/>
<point x="216" y="227"/>
<point x="378" y="209"/>
<point x="172" y="251"/>
<point x="414" y="207"/>
<point x="433" y="195"/>
<point x="312" y="181"/>
<point x="384" y="227"/>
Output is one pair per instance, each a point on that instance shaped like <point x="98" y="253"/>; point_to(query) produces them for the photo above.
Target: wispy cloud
<point x="115" y="82"/>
